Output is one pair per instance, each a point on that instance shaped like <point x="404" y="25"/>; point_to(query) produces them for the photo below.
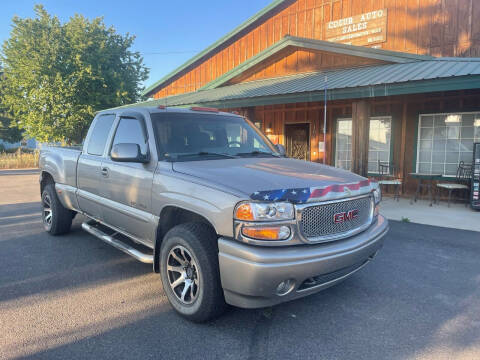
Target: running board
<point x="109" y="239"/>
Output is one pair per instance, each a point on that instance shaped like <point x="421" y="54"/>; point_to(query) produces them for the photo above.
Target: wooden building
<point x="401" y="79"/>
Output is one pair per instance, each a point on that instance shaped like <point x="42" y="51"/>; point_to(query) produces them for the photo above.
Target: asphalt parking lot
<point x="74" y="297"/>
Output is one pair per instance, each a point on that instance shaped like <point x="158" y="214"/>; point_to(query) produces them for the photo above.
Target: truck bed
<point x="61" y="163"/>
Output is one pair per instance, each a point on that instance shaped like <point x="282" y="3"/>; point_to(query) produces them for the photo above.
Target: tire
<point x="56" y="219"/>
<point x="189" y="259"/>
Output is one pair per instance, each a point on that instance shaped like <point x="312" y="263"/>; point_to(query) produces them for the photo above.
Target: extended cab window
<point x="130" y="131"/>
<point x="99" y="136"/>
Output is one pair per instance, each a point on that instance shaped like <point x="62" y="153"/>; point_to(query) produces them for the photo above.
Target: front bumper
<point x="250" y="274"/>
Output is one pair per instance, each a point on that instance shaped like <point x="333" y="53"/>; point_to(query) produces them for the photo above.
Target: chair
<point x="462" y="182"/>
<point x="388" y="176"/>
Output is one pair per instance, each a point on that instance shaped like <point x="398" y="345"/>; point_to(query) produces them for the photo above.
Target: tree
<point x="57" y="75"/>
<point x="9" y="132"/>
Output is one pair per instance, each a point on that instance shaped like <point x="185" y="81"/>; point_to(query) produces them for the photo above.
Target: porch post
<point x="360" y="136"/>
<point x="250" y="112"/>
<point x="403" y="145"/>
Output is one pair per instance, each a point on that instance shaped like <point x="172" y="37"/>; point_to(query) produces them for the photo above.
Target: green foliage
<point x="58" y="75"/>
<point x="8" y="131"/>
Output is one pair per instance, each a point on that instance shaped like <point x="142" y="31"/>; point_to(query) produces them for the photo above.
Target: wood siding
<point x="294" y="60"/>
<point x="435" y="27"/>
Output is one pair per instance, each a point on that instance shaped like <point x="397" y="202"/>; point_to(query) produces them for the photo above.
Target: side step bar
<point x="109" y="239"/>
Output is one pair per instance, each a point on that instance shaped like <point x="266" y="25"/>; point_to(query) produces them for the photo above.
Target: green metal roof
<point x="438" y="74"/>
<point x="258" y="16"/>
<point x="319" y="45"/>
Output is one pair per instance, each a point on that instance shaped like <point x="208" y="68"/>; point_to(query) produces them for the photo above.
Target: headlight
<point x="252" y="211"/>
<point x="377" y="195"/>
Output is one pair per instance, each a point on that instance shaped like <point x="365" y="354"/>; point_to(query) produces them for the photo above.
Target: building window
<point x="343" y="144"/>
<point x="444" y="140"/>
<point x="379" y="143"/>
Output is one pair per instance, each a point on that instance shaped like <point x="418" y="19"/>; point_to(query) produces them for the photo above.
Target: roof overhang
<point x="452" y="83"/>
<point x="413" y="87"/>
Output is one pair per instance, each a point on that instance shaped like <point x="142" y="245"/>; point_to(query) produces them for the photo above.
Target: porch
<point x="457" y="216"/>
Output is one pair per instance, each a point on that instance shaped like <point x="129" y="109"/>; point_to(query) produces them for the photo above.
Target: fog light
<point x="285" y="287"/>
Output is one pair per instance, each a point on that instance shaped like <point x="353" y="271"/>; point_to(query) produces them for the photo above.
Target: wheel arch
<point x="45" y="178"/>
<point x="170" y="217"/>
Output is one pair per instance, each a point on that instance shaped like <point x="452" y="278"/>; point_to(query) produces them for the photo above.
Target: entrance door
<point x="297" y="141"/>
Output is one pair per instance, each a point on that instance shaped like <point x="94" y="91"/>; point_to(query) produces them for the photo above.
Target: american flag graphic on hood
<point x="310" y="194"/>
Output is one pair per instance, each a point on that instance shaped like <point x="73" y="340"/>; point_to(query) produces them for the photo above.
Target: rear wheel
<point x="190" y="273"/>
<point x="56" y="218"/>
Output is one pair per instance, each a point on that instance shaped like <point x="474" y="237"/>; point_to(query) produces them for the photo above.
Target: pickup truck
<point x="221" y="213"/>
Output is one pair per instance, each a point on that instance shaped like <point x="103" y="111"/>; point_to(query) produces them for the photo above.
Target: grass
<point x="405" y="219"/>
<point x="19" y="160"/>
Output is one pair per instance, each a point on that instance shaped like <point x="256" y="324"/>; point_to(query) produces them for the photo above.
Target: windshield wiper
<point x="205" y="153"/>
<point x="256" y="152"/>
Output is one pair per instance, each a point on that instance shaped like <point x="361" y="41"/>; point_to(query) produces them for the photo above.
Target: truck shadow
<point x="33" y="262"/>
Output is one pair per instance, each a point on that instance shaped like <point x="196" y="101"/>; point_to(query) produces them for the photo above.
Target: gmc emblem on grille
<point x="342" y="217"/>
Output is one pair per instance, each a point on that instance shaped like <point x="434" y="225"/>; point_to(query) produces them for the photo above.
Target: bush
<point x="19" y="160"/>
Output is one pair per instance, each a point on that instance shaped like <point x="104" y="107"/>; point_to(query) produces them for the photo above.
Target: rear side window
<point x="130" y="131"/>
<point x="99" y="136"/>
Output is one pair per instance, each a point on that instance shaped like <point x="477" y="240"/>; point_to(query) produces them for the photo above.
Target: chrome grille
<point x="317" y="221"/>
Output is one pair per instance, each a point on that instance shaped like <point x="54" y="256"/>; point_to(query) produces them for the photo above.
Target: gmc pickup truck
<point x="221" y="213"/>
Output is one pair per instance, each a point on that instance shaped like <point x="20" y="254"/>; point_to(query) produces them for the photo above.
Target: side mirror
<point x="128" y="152"/>
<point x="281" y="149"/>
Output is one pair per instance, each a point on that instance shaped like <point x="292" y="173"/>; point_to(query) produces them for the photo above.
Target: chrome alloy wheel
<point x="183" y="274"/>
<point x="47" y="211"/>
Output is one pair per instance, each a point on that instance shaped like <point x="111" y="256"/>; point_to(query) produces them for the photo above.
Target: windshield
<point x="190" y="136"/>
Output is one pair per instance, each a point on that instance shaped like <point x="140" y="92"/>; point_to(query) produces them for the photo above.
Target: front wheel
<point x="190" y="273"/>
<point x="57" y="219"/>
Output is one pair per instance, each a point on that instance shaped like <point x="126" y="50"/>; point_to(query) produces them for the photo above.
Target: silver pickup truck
<point x="219" y="211"/>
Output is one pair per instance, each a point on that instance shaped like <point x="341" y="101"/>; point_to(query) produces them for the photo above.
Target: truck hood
<point x="259" y="177"/>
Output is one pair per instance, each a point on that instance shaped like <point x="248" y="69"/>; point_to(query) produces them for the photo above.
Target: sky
<point x="168" y="33"/>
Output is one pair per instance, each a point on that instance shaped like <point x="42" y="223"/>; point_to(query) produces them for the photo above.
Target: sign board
<point x="321" y="146"/>
<point x="475" y="191"/>
<point x="364" y="29"/>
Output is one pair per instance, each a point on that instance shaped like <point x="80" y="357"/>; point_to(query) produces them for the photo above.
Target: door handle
<point x="105" y="172"/>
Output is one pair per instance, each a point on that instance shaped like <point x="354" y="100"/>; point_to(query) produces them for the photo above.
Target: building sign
<point x="364" y="29"/>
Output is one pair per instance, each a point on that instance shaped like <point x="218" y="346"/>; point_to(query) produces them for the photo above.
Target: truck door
<point x="127" y="186"/>
<point x="89" y="166"/>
